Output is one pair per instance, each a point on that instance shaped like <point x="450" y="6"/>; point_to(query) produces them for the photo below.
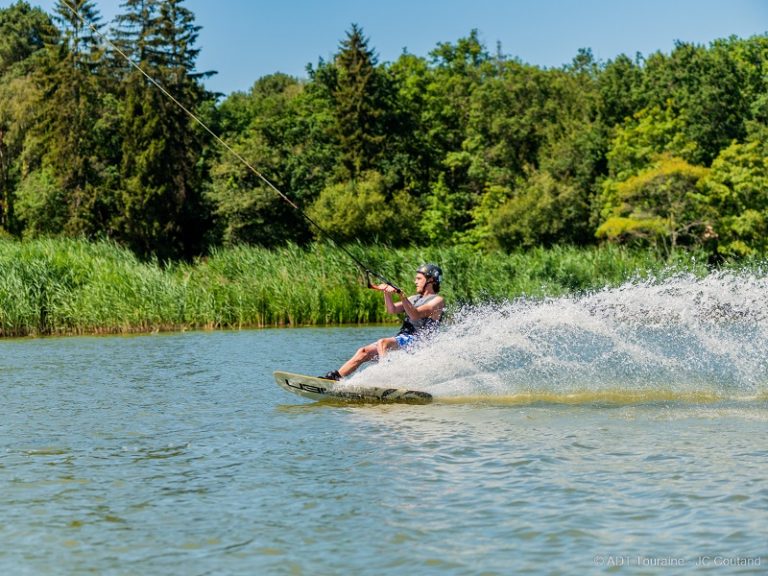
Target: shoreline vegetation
<point x="77" y="287"/>
<point x="520" y="181"/>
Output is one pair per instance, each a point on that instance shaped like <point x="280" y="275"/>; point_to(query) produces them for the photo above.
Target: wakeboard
<point x="331" y="390"/>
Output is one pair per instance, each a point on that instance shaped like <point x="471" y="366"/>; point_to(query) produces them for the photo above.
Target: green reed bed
<point x="72" y="286"/>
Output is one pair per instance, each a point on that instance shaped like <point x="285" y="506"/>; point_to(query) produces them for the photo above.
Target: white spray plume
<point x="683" y="335"/>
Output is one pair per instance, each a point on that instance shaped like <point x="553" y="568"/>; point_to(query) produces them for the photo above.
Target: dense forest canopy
<point x="461" y="147"/>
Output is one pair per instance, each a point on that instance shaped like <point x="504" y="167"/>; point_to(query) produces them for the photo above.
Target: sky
<point x="243" y="40"/>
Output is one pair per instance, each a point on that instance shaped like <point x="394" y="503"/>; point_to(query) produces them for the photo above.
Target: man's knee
<point x="363" y="352"/>
<point x="386" y="344"/>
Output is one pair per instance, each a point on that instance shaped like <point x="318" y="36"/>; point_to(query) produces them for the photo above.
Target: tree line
<point x="465" y="146"/>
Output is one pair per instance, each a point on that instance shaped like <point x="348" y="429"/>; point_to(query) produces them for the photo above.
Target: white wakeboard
<point x="322" y="389"/>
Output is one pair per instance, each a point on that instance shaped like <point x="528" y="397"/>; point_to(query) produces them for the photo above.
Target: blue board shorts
<point x="405" y="340"/>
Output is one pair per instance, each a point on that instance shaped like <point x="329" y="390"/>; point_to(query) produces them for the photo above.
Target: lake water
<point x="622" y="431"/>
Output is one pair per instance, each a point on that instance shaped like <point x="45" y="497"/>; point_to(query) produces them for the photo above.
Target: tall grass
<point x="73" y="286"/>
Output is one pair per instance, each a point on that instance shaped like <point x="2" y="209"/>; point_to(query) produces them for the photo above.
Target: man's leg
<point x="364" y="354"/>
<point x="385" y="344"/>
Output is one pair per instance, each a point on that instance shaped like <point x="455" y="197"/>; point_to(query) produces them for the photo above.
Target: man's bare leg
<point x="364" y="354"/>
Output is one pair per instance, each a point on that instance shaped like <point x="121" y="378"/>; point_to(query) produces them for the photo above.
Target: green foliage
<point x="457" y="71"/>
<point x="542" y="212"/>
<point x="621" y="92"/>
<point x="635" y="146"/>
<point x="706" y="87"/>
<point x="360" y="210"/>
<point x="161" y="206"/>
<point x="463" y="147"/>
<point x="358" y="90"/>
<point x="501" y="145"/>
<point x="70" y="81"/>
<point x="265" y="123"/>
<point x="18" y="99"/>
<point x="663" y="204"/>
<point x="738" y="192"/>
<point x="641" y="139"/>
<point x="408" y="158"/>
<point x="67" y="286"/>
<point x="40" y="205"/>
<point x="45" y="83"/>
<point x="444" y="214"/>
<point x="250" y="211"/>
<point x="23" y="33"/>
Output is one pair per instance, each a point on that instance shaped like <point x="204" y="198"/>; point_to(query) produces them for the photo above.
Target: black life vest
<point x="420" y="325"/>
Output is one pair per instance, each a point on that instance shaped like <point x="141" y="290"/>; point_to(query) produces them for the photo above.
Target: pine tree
<point x="162" y="206"/>
<point x="130" y="36"/>
<point x="360" y="103"/>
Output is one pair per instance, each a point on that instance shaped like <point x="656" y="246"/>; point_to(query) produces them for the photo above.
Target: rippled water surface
<point x="622" y="431"/>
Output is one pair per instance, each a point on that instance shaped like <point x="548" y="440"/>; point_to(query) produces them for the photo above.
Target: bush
<point x="72" y="286"/>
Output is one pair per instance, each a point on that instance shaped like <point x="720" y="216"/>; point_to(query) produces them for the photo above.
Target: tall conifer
<point x="163" y="212"/>
<point x="360" y="106"/>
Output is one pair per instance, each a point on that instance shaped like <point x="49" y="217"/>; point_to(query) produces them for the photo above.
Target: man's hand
<point x="383" y="287"/>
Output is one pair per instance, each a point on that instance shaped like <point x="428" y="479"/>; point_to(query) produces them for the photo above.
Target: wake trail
<point x="682" y="337"/>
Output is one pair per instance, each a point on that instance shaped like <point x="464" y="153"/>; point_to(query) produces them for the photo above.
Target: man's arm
<point x="392" y="306"/>
<point x="433" y="308"/>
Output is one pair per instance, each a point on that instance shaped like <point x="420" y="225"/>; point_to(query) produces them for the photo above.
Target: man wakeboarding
<point x="423" y="313"/>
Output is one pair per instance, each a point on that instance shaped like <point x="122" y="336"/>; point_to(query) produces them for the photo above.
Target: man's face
<point x="421" y="282"/>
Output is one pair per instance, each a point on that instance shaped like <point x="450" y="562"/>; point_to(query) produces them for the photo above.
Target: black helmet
<point x="431" y="272"/>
